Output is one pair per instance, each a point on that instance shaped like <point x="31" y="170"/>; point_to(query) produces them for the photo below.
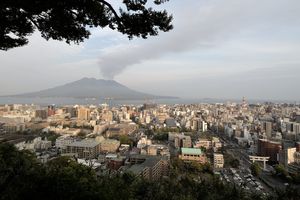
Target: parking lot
<point x="244" y="179"/>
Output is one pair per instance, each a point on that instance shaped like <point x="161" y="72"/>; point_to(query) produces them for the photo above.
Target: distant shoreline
<point x="43" y="101"/>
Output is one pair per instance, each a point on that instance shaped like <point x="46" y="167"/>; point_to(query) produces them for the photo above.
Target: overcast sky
<point x="217" y="49"/>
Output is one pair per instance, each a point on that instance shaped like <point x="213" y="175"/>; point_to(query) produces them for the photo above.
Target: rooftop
<point x="85" y="143"/>
<point x="110" y="141"/>
<point x="192" y="151"/>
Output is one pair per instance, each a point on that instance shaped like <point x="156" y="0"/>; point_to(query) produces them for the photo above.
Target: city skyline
<point x="217" y="49"/>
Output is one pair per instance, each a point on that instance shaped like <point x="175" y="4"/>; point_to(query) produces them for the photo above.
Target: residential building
<point x="218" y="160"/>
<point x="83" y="113"/>
<point x="149" y="167"/>
<point x="88" y="148"/>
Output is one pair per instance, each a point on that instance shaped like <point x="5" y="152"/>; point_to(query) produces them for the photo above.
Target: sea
<point x="60" y="101"/>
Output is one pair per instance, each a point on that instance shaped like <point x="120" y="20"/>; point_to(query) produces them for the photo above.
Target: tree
<point x="255" y="169"/>
<point x="282" y="172"/>
<point x="124" y="139"/>
<point x="230" y="161"/>
<point x="161" y="136"/>
<point x="70" y="20"/>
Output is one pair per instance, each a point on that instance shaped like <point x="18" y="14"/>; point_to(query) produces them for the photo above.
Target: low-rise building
<point x="193" y="154"/>
<point x="88" y="148"/>
<point x="13" y="127"/>
<point x="218" y="160"/>
<point x="109" y="145"/>
<point x="205" y="143"/>
<point x="149" y="167"/>
<point x="62" y="141"/>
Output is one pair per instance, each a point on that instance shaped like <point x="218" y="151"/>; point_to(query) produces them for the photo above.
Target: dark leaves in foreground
<point x="70" y="20"/>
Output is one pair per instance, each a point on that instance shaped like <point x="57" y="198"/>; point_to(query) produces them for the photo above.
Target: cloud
<point x="42" y="64"/>
<point x="200" y="25"/>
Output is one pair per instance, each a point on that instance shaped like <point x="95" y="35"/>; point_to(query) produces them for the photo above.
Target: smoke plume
<point x="197" y="24"/>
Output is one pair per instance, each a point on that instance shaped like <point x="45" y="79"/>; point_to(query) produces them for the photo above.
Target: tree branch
<point x="32" y="20"/>
<point x="112" y="10"/>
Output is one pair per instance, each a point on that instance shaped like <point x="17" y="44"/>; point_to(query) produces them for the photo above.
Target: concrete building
<point x="192" y="154"/>
<point x="109" y="145"/>
<point x="121" y="129"/>
<point x="268" y="148"/>
<point x="186" y="142"/>
<point x="287" y="156"/>
<point x="149" y="167"/>
<point x="34" y="144"/>
<point x="182" y="141"/>
<point x="216" y="143"/>
<point x="62" y="141"/>
<point x="107" y="116"/>
<point x="203" y="126"/>
<point x="83" y="113"/>
<point x="152" y="150"/>
<point x="51" y="110"/>
<point x="100" y="128"/>
<point x="42" y="114"/>
<point x="268" y="127"/>
<point x="143" y="142"/>
<point x="207" y="144"/>
<point x="13" y="127"/>
<point x="170" y="123"/>
<point x="218" y="160"/>
<point x="88" y="148"/>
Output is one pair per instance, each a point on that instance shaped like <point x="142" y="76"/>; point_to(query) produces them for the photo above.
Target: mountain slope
<point x="92" y="88"/>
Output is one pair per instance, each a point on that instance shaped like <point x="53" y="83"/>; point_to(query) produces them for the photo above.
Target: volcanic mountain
<point x="93" y="88"/>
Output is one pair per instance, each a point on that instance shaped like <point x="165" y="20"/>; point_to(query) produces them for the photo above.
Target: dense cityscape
<point x="254" y="147"/>
<point x="150" y="100"/>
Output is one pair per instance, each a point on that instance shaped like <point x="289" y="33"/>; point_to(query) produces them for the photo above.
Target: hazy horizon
<point x="188" y="99"/>
<point x="218" y="49"/>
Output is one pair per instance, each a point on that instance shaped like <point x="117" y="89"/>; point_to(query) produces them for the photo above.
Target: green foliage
<point x="290" y="193"/>
<point x="124" y="139"/>
<point x="230" y="161"/>
<point x="81" y="134"/>
<point x="161" y="136"/>
<point x="22" y="177"/>
<point x="255" y="169"/>
<point x="192" y="168"/>
<point x="51" y="136"/>
<point x="281" y="172"/>
<point x="19" y="173"/>
<point x="166" y="130"/>
<point x="296" y="178"/>
<point x="71" y="20"/>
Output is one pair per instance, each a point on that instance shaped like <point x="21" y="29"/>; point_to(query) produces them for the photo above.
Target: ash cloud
<point x="199" y="25"/>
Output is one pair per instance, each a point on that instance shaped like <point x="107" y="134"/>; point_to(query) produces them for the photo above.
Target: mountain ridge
<point x="93" y="88"/>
